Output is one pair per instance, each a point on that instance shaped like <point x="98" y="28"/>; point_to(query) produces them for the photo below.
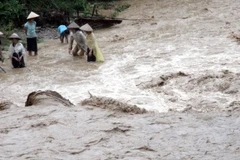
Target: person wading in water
<point x="64" y="32"/>
<point x="94" y="53"/>
<point x="30" y="30"/>
<point x="80" y="39"/>
<point x="16" y="52"/>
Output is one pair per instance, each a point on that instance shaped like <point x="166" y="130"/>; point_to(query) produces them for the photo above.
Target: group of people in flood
<point x="86" y="43"/>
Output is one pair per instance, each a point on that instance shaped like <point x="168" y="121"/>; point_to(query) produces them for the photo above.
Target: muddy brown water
<point x="143" y="59"/>
<point x="182" y="36"/>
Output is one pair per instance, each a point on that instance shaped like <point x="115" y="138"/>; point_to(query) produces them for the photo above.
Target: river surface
<point x="177" y="56"/>
<point x="182" y="36"/>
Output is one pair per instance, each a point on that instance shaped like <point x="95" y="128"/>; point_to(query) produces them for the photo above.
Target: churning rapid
<point x="177" y="56"/>
<point x="182" y="36"/>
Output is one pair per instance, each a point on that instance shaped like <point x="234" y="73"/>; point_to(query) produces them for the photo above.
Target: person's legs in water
<point x="21" y="60"/>
<point x="75" y="50"/>
<point x="66" y="38"/>
<point x="29" y="46"/>
<point x="61" y="37"/>
<point x="18" y="60"/>
<point x="90" y="56"/>
<point x="15" y="60"/>
<point x="82" y="52"/>
<point x="32" y="46"/>
<point x="66" y="33"/>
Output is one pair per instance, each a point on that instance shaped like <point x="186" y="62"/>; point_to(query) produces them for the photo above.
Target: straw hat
<point x="73" y="25"/>
<point x="86" y="28"/>
<point x="14" y="36"/>
<point x="32" y="15"/>
<point x="1" y="34"/>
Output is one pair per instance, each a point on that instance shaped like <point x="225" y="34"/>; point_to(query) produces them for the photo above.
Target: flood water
<point x="177" y="56"/>
<point x="183" y="36"/>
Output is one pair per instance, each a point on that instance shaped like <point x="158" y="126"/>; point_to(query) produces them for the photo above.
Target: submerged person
<point x="93" y="53"/>
<point x="30" y="30"/>
<point x="16" y="52"/>
<point x="80" y="39"/>
<point x="1" y="55"/>
<point x="64" y="32"/>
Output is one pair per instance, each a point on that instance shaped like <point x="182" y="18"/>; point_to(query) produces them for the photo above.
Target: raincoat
<point x="92" y="44"/>
<point x="79" y="37"/>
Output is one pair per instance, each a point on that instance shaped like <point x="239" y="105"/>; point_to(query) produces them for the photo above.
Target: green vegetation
<point x="13" y="13"/>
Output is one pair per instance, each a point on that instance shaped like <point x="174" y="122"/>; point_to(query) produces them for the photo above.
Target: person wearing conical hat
<point x="79" y="38"/>
<point x="30" y="30"/>
<point x="16" y="52"/>
<point x="1" y="56"/>
<point x="94" y="53"/>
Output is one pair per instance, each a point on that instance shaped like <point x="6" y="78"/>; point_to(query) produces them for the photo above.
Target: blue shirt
<point x="31" y="29"/>
<point x="62" y="28"/>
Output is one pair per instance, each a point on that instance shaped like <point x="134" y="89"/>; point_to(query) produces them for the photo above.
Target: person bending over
<point x="80" y="39"/>
<point x="64" y="32"/>
<point x="94" y="53"/>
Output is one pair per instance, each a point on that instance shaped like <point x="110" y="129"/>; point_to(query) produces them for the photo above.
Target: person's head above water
<point x="31" y="16"/>
<point x="87" y="28"/>
<point x="73" y="27"/>
<point x="31" y="20"/>
<point x="15" y="38"/>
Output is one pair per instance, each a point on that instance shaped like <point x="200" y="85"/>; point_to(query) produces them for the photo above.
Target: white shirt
<point x="17" y="48"/>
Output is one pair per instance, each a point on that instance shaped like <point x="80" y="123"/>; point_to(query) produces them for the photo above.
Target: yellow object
<point x="92" y="44"/>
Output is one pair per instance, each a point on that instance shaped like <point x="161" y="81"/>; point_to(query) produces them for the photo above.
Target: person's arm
<point x="35" y="27"/>
<point x="90" y="52"/>
<point x="25" y="28"/>
<point x="22" y="49"/>
<point x="23" y="53"/>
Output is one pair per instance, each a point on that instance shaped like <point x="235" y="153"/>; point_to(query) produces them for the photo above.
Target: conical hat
<point x="73" y="25"/>
<point x="1" y="34"/>
<point x="86" y="28"/>
<point x="14" y="36"/>
<point x="32" y="15"/>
